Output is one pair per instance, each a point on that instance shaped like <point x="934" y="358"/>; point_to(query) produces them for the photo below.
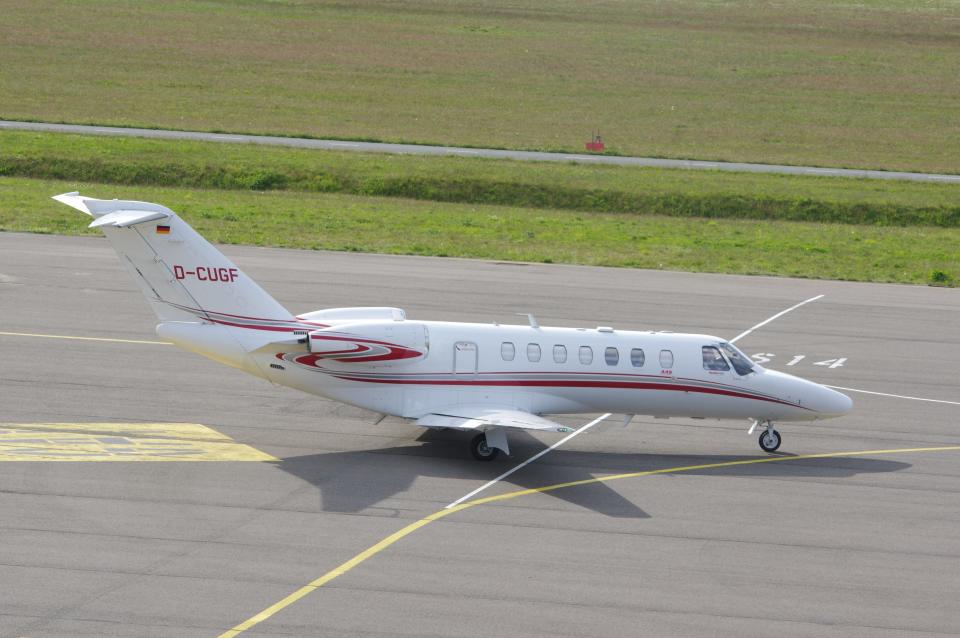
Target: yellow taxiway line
<point x="372" y="551"/>
<point x="43" y="336"/>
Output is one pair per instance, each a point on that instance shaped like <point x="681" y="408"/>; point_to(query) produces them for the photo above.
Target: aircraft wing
<point x="484" y="417"/>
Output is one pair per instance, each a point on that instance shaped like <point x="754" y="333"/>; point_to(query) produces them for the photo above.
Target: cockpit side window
<point x="713" y="360"/>
<point x="741" y="363"/>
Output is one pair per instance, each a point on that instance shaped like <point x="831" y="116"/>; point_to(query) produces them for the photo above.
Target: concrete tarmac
<point x="490" y="153"/>
<point x="860" y="546"/>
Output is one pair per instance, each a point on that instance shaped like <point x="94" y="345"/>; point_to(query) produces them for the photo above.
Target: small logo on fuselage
<point x="207" y="273"/>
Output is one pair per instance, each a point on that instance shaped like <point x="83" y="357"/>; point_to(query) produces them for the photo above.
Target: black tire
<point x="480" y="450"/>
<point x="771" y="445"/>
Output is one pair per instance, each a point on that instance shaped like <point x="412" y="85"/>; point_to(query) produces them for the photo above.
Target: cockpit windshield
<point x="740" y="362"/>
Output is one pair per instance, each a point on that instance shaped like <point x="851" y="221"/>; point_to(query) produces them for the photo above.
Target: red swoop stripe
<point x="350" y="339"/>
<point x="395" y="354"/>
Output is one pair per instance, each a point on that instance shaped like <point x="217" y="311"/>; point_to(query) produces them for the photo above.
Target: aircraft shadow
<point x="351" y="482"/>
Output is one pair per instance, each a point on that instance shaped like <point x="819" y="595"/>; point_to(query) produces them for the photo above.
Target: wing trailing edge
<point x="482" y="417"/>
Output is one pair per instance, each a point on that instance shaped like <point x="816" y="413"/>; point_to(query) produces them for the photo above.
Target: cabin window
<point x="637" y="358"/>
<point x="666" y="359"/>
<point x="559" y="354"/>
<point x="507" y="351"/>
<point x="741" y="363"/>
<point x="713" y="360"/>
<point x="586" y="355"/>
<point x="612" y="356"/>
<point x="533" y="352"/>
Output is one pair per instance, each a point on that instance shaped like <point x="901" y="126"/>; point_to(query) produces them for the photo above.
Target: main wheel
<point x="769" y="440"/>
<point x="481" y="451"/>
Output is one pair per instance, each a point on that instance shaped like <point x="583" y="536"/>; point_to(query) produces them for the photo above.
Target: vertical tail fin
<point x="183" y="276"/>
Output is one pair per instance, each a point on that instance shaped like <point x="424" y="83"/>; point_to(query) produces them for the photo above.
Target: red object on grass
<point x="596" y="144"/>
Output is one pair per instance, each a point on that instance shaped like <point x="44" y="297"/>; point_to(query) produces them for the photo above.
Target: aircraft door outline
<point x="465" y="358"/>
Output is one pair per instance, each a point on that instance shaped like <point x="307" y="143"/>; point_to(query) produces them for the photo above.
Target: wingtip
<point x="75" y="200"/>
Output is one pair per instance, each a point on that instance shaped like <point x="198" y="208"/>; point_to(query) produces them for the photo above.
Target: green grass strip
<point x="611" y="189"/>
<point x="397" y="226"/>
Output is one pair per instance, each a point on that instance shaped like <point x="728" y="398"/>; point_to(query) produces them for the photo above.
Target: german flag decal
<point x="163" y="230"/>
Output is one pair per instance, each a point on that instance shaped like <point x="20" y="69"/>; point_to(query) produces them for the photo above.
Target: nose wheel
<point x="769" y="438"/>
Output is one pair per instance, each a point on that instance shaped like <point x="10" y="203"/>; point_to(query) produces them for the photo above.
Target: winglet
<point x="74" y="200"/>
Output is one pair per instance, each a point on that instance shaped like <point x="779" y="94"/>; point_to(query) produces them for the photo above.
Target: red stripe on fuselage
<point x="622" y="385"/>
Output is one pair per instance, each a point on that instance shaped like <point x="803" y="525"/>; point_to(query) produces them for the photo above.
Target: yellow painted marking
<point x="30" y="334"/>
<point x="121" y="442"/>
<point x="412" y="527"/>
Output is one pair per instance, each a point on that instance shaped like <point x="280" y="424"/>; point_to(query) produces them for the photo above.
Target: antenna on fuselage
<point x="530" y="318"/>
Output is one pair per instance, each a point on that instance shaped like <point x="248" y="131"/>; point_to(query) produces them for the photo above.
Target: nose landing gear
<point x="769" y="439"/>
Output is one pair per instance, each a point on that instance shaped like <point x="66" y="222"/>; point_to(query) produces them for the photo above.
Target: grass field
<point x="868" y="84"/>
<point x="477" y="181"/>
<point x="391" y="225"/>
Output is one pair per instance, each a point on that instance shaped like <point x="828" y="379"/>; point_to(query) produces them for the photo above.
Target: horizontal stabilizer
<point x="124" y="218"/>
<point x="483" y="417"/>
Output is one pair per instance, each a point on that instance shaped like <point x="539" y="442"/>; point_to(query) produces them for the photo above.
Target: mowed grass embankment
<point x="399" y="226"/>
<point x="610" y="189"/>
<point x="870" y="84"/>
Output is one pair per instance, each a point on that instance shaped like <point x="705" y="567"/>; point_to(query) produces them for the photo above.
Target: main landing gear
<point x="769" y="439"/>
<point x="488" y="445"/>
<point x="481" y="451"/>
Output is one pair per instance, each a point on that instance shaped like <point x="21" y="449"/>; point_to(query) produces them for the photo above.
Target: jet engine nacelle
<point x="370" y="342"/>
<point x="364" y="313"/>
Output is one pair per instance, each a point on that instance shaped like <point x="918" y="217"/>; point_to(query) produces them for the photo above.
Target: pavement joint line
<point x="776" y="316"/>
<point x="46" y="336"/>
<point x="533" y="458"/>
<point x="375" y="549"/>
<point x="895" y="396"/>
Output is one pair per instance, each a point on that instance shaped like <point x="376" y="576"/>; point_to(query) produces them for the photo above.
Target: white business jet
<point x="483" y="378"/>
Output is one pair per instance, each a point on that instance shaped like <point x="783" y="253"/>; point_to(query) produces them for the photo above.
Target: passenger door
<point x="465" y="358"/>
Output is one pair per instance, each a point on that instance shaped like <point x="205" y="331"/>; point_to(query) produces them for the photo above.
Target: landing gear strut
<point x="481" y="451"/>
<point x="769" y="438"/>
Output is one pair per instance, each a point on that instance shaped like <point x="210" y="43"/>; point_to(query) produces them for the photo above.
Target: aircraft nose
<point x="830" y="403"/>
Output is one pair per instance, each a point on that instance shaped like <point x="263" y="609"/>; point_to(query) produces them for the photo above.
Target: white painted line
<point x="44" y="336"/>
<point x="776" y="316"/>
<point x="895" y="396"/>
<point x="352" y="144"/>
<point x="533" y="458"/>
